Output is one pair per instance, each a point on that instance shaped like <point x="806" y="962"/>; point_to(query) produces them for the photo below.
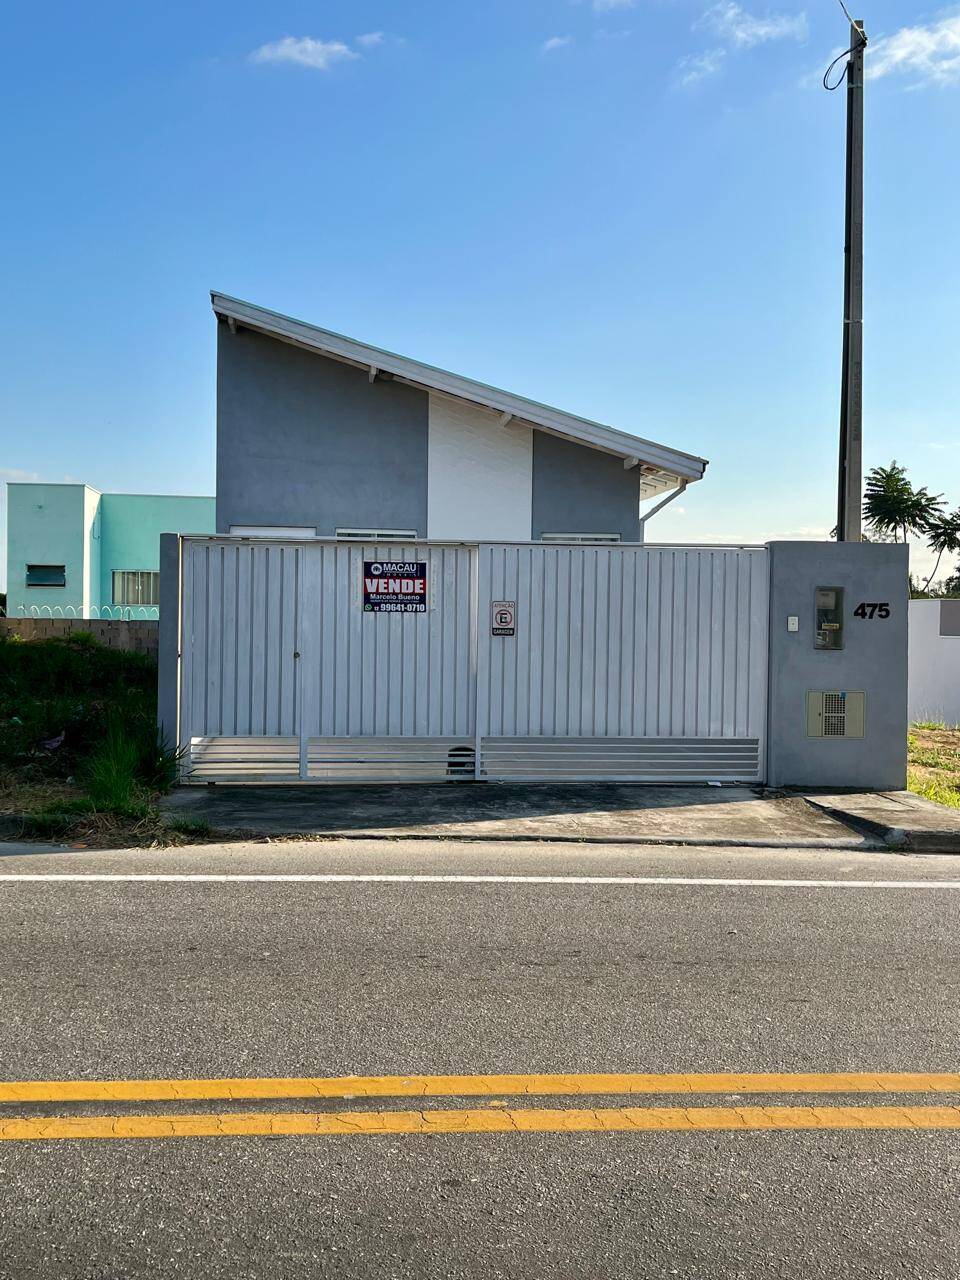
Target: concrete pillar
<point x="873" y="660"/>
<point x="168" y="658"/>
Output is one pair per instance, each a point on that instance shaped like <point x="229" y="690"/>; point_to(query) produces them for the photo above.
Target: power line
<point x="862" y="40"/>
<point x="846" y="54"/>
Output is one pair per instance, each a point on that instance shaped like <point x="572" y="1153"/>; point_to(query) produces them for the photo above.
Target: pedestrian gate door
<point x="347" y="661"/>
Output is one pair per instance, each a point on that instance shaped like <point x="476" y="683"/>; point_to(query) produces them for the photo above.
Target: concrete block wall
<point x="136" y="637"/>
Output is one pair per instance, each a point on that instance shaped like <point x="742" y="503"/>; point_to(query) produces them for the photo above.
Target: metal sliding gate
<point x="526" y="662"/>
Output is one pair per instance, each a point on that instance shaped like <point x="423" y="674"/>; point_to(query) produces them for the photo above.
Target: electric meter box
<point x="828" y="623"/>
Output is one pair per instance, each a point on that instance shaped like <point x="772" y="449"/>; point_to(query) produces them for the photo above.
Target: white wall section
<point x="934" y="666"/>
<point x="91" y="547"/>
<point x="480" y="477"/>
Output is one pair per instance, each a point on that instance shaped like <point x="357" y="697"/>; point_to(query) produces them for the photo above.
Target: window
<point x="46" y="575"/>
<point x="580" y="537"/>
<point x="135" y="587"/>
<point x="373" y="535"/>
<point x="950" y="617"/>
<point x="273" y="531"/>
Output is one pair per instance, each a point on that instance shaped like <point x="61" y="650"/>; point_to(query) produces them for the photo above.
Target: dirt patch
<point x="934" y="764"/>
<point x="26" y="791"/>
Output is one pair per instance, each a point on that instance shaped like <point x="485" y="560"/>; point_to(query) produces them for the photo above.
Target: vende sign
<point x="395" y="586"/>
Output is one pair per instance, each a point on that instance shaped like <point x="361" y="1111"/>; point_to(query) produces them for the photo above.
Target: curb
<point x="28" y="848"/>
<point x="456" y="837"/>
<point x="11" y="846"/>
<point x="910" y="839"/>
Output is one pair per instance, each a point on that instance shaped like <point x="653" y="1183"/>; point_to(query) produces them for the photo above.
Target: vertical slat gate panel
<point x="389" y="674"/>
<point x="229" y="636"/>
<point x="651" y="650"/>
<point x="240" y="616"/>
<point x="652" y="644"/>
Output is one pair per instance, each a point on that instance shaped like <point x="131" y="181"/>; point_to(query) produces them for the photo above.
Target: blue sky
<point x="629" y="210"/>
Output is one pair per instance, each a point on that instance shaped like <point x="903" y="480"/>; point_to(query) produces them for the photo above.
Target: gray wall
<point x="168" y="662"/>
<point x="581" y="490"/>
<point x="874" y="660"/>
<point x="302" y="440"/>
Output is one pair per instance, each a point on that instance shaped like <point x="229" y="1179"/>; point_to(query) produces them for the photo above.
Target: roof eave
<point x="684" y="466"/>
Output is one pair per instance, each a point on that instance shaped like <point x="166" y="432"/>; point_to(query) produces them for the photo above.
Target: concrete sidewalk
<point x="898" y="818"/>
<point x="598" y="813"/>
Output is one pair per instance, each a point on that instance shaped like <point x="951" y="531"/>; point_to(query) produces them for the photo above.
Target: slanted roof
<point x="661" y="468"/>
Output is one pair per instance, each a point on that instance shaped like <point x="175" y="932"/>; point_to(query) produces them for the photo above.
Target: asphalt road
<point x="120" y="979"/>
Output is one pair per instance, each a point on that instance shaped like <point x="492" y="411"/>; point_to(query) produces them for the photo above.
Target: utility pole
<point x="850" y="476"/>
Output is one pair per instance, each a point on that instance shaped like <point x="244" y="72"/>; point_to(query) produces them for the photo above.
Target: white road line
<point x="386" y="878"/>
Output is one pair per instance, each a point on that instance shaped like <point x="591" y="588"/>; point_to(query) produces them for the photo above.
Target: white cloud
<point x="608" y="6"/>
<point x="738" y="29"/>
<point x="699" y="66"/>
<point x="931" y="53"/>
<point x="370" y="39"/>
<point x="304" y="51"/>
<point x="555" y="42"/>
<point x="744" y="30"/>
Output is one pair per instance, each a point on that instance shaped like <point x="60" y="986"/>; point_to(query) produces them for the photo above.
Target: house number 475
<point x="872" y="609"/>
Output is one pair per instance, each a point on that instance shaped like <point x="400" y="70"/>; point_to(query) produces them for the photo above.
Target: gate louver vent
<point x="621" y="759"/>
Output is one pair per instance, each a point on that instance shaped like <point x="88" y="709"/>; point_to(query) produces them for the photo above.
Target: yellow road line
<point x="613" y="1119"/>
<point x="475" y="1086"/>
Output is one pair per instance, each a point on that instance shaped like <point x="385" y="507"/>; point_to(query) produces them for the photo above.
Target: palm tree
<point x="892" y="505"/>
<point x="943" y="534"/>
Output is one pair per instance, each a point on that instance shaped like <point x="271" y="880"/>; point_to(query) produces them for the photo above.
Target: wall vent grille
<point x="835" y="714"/>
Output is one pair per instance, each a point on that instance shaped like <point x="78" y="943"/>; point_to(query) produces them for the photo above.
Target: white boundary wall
<point x="934" y="665"/>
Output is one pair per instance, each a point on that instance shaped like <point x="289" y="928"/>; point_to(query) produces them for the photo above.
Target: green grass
<point x="932" y="725"/>
<point x="57" y="696"/>
<point x="129" y="763"/>
<point x="79" y="746"/>
<point x="111" y="776"/>
<point x="937" y="789"/>
<point x="934" y="757"/>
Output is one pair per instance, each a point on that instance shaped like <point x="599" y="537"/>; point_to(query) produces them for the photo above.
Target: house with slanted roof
<point x="322" y="435"/>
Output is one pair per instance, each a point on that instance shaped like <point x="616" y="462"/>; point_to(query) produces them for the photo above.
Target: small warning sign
<point x="503" y="618"/>
<point x="395" y="586"/>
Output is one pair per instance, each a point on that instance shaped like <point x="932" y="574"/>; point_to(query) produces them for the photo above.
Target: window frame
<point x="282" y="532"/>
<point x="378" y="535"/>
<point x="582" y="539"/>
<point x="139" y="574"/>
<point x="44" y="586"/>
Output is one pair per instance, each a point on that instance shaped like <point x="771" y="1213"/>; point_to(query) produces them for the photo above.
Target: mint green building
<point x="77" y="553"/>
